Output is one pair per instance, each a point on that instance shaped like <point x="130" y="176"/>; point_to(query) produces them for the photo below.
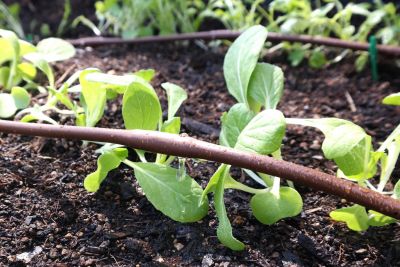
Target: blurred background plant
<point x="345" y="20"/>
<point x="9" y="18"/>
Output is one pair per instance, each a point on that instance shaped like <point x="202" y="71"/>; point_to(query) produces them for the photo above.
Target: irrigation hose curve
<point x="184" y="146"/>
<point x="230" y="35"/>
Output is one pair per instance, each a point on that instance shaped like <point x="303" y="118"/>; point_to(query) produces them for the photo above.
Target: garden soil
<point x="45" y="211"/>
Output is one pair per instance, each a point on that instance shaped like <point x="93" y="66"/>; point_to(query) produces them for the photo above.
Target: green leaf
<point x="379" y="219"/>
<point x="393" y="99"/>
<point x="233" y="123"/>
<point x="147" y="74"/>
<point x="213" y="181"/>
<point x="317" y="59"/>
<point x="39" y="62"/>
<point x="7" y="52"/>
<point x="176" y="95"/>
<point x="396" y="190"/>
<point x="296" y="56"/>
<point x="346" y="143"/>
<point x="224" y="230"/>
<point x="115" y="82"/>
<point x="263" y="134"/>
<point x="37" y="114"/>
<point x="93" y="98"/>
<point x="178" y="200"/>
<point x="172" y="126"/>
<point x="11" y="41"/>
<point x="4" y="73"/>
<point x="269" y="209"/>
<point x="62" y="96"/>
<point x="105" y="163"/>
<point x="241" y="59"/>
<point x="141" y="108"/>
<point x="55" y="49"/>
<point x="355" y="217"/>
<point x="361" y="61"/>
<point x="266" y="85"/>
<point x="21" y="97"/>
<point x="7" y="106"/>
<point x="28" y="70"/>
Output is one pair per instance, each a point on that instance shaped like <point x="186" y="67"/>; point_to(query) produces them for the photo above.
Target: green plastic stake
<point x="373" y="56"/>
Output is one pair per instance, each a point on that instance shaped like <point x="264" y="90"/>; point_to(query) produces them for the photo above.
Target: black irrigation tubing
<point x="185" y="146"/>
<point x="228" y="34"/>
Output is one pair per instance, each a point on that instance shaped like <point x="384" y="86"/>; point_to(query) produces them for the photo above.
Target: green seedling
<point x="170" y="190"/>
<point x="19" y="61"/>
<point x="351" y="149"/>
<point x="246" y="127"/>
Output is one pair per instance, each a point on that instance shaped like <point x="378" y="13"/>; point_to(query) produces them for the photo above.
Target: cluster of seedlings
<point x="253" y="125"/>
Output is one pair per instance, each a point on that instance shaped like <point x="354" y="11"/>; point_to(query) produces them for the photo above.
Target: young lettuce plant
<point x="18" y="63"/>
<point x="170" y="190"/>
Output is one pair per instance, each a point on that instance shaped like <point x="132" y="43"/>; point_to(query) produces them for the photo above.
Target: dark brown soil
<point x="43" y="202"/>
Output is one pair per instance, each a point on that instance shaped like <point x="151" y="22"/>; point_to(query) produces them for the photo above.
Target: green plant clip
<point x="373" y="56"/>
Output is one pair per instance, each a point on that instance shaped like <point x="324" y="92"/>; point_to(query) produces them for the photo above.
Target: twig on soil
<point x="228" y="34"/>
<point x="184" y="146"/>
<point x="350" y="100"/>
<point x="65" y="74"/>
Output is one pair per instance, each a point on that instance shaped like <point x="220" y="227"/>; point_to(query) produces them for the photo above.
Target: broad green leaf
<point x="93" y="98"/>
<point x="28" y="70"/>
<point x="12" y="41"/>
<point x="55" y="49"/>
<point x="355" y="217"/>
<point x="172" y="126"/>
<point x="378" y="219"/>
<point x="179" y="200"/>
<point x="356" y="164"/>
<point x="269" y="209"/>
<point x="393" y="99"/>
<point x="147" y="74"/>
<point x="7" y="50"/>
<point x="21" y="97"/>
<point x="26" y="47"/>
<point x="224" y="230"/>
<point x="266" y="85"/>
<point x="346" y="143"/>
<point x="141" y="108"/>
<point x="317" y="59"/>
<point x="176" y="95"/>
<point x="115" y="82"/>
<point x="241" y="59"/>
<point x="233" y="123"/>
<point x="263" y="134"/>
<point x="105" y="163"/>
<point x="38" y="61"/>
<point x="7" y="106"/>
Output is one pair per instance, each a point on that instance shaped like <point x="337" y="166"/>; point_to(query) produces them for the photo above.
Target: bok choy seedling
<point x="170" y="190"/>
<point x="246" y="127"/>
<point x="19" y="61"/>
